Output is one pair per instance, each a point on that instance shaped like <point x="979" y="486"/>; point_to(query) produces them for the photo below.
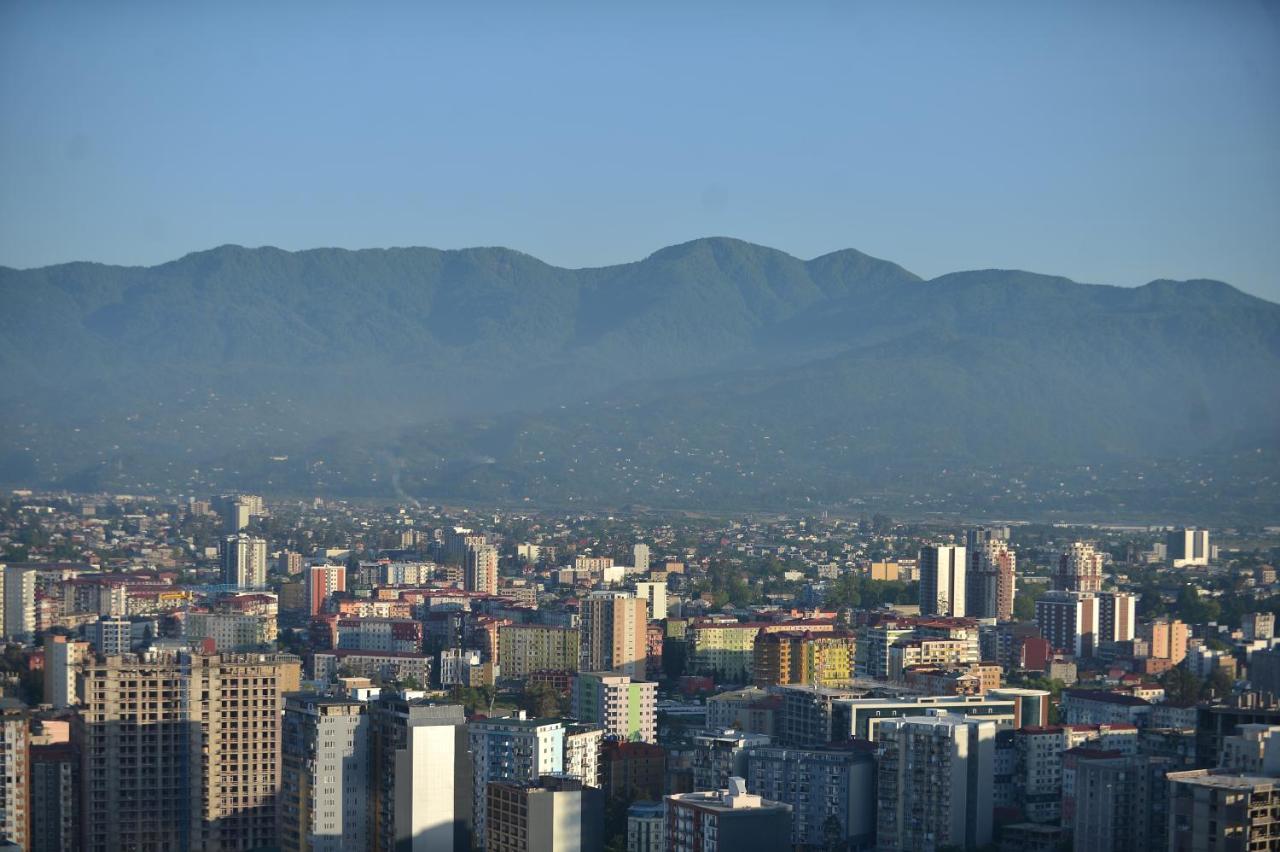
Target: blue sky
<point x="1111" y="142"/>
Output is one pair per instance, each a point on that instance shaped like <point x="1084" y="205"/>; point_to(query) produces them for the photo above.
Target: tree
<point x="1181" y="686"/>
<point x="540" y="700"/>
<point x="1219" y="684"/>
<point x="1194" y="609"/>
<point x="1024" y="607"/>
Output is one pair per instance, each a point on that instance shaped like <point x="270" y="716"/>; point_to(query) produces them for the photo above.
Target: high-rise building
<point x="129" y="702"/>
<point x="613" y="633"/>
<point x="1069" y="621"/>
<point x="991" y="580"/>
<point x="720" y="755"/>
<point x="112" y="636"/>
<point x="320" y="582"/>
<point x="421" y="781"/>
<point x="942" y="580"/>
<point x="552" y="814"/>
<point x="975" y="537"/>
<point x="1214" y="810"/>
<point x="181" y="750"/>
<point x="528" y="648"/>
<point x="655" y="596"/>
<point x="1187" y="547"/>
<point x="55" y="797"/>
<point x="1079" y="569"/>
<point x="1258" y="625"/>
<point x="1120" y="802"/>
<point x="512" y="749"/>
<point x="289" y="563"/>
<point x="481" y="569"/>
<point x="907" y="654"/>
<point x="934" y="782"/>
<point x="640" y="556"/>
<point x="722" y="646"/>
<point x="874" y="642"/>
<point x="1167" y="639"/>
<point x="1255" y="750"/>
<point x="582" y="745"/>
<point x="786" y="657"/>
<point x="857" y="718"/>
<point x="238" y="512"/>
<point x="231" y="631"/>
<point x="244" y="561"/>
<point x="625" y="708"/>
<point x="61" y="657"/>
<point x="458" y="541"/>
<point x="821" y="785"/>
<point x="15" y="775"/>
<point x="1037" y="758"/>
<point x="19" y="603"/>
<point x="633" y="770"/>
<point x="724" y="820"/>
<point x="646" y="827"/>
<point x="325" y="774"/>
<point x="1117" y="616"/>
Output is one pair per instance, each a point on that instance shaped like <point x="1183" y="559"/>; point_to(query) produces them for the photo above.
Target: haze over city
<point x="837" y="427"/>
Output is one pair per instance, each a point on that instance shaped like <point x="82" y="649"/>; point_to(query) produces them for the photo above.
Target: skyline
<point x="1131" y="145"/>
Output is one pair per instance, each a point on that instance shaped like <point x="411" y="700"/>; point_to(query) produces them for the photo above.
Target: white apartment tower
<point x="655" y="594"/>
<point x="482" y="569"/>
<point x="244" y="561"/>
<point x="19" y="603"/>
<point x="513" y="749"/>
<point x="942" y="580"/>
<point x="61" y="656"/>
<point x="1188" y="547"/>
<point x="935" y="781"/>
<point x="324" y="804"/>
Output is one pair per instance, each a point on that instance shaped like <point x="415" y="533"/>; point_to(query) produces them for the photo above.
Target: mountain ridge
<point x="236" y="351"/>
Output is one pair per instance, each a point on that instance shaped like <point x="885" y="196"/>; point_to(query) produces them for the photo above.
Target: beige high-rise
<point x="613" y="633"/>
<point x="182" y="751"/>
<point x="482" y="569"/>
<point x="1079" y="569"/>
<point x="15" y="774"/>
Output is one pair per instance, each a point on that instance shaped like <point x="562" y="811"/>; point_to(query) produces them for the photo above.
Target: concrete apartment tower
<point x="553" y="814"/>
<point x="991" y="579"/>
<point x="244" y="561"/>
<point x="421" y="779"/>
<point x="934" y="782"/>
<point x="613" y="633"/>
<point x="180" y="750"/>
<point x="15" y="774"/>
<point x="61" y="657"/>
<point x="1079" y="569"/>
<point x="512" y="749"/>
<point x="19" y="603"/>
<point x="942" y="580"/>
<point x="627" y="709"/>
<point x="320" y="582"/>
<point x="481" y="569"/>
<point x="324" y="779"/>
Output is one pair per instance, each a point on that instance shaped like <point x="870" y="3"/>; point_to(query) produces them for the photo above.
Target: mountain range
<point x="711" y="374"/>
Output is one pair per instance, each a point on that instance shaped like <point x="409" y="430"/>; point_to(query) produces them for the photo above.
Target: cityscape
<point x="640" y="427"/>
<point x="240" y="673"/>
